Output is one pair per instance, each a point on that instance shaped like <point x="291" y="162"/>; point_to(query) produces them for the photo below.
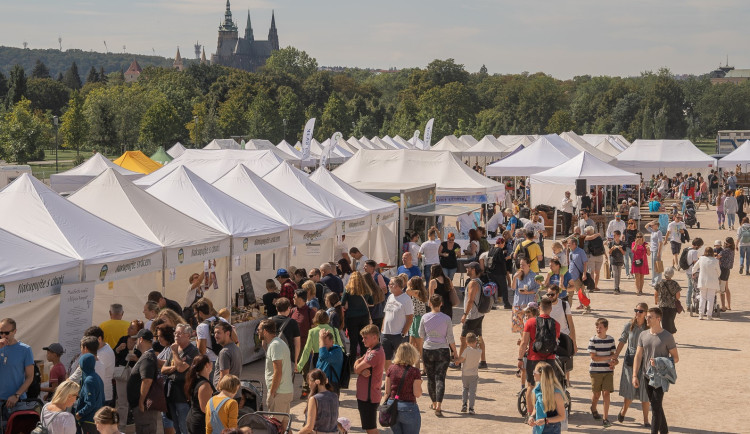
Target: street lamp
<point x="197" y="137"/>
<point x="353" y="127"/>
<point x="284" y="122"/>
<point x="55" y="121"/>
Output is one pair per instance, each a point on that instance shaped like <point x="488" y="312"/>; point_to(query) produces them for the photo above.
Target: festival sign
<point x="247" y="245"/>
<point x="198" y="253"/>
<point x="23" y="291"/>
<point x="111" y="271"/>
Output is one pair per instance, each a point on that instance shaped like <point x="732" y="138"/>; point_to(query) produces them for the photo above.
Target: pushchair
<point x="22" y="418"/>
<point x="266" y="422"/>
<point x="251" y="396"/>
<point x="690" y="214"/>
<point x="697" y="299"/>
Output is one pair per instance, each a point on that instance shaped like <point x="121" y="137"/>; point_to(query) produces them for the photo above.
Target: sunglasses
<point x="638" y="310"/>
<point x="551" y="294"/>
<point x="6" y="333"/>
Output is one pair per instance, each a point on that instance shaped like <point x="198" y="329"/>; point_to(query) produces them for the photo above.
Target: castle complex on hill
<point x="243" y="53"/>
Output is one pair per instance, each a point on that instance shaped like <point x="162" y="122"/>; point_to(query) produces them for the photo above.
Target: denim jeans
<point x="745" y="257"/>
<point x="691" y="288"/>
<point x="655" y="277"/>
<point x="628" y="257"/>
<point x="426" y="273"/>
<point x="179" y="411"/>
<point x="730" y="219"/>
<point x="409" y="419"/>
<point x="450" y="272"/>
<point x="552" y="428"/>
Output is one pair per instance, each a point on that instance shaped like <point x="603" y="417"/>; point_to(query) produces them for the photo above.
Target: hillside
<point x="59" y="61"/>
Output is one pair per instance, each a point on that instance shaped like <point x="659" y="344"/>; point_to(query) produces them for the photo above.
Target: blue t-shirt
<point x="554" y="279"/>
<point x="511" y="221"/>
<point x="411" y="271"/>
<point x="13" y="362"/>
<point x="313" y="304"/>
<point x="524" y="299"/>
<point x="575" y="263"/>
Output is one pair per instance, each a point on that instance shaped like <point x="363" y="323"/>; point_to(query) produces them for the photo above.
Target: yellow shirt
<point x="113" y="330"/>
<point x="227" y="413"/>
<point x="534" y="252"/>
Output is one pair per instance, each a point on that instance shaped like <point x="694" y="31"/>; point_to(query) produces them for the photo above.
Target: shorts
<point x="722" y="286"/>
<point x="724" y="274"/>
<point x="414" y="329"/>
<point x="602" y="382"/>
<point x="530" y="365"/>
<point x="595" y="263"/>
<point x="390" y="343"/>
<point x="472" y="326"/>
<point x="368" y="414"/>
<point x="675" y="247"/>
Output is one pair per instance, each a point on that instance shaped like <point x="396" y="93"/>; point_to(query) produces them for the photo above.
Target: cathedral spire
<point x="177" y="61"/>
<point x="228" y="25"/>
<point x="273" y="35"/>
<point x="249" y="28"/>
<point x="203" y="57"/>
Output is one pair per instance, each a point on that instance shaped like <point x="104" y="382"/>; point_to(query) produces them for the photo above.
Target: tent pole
<point x="554" y="225"/>
<point x="163" y="270"/>
<point x="229" y="274"/>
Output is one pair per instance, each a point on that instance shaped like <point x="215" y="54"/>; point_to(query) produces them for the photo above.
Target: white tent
<point x="610" y="146"/>
<point x="317" y="148"/>
<point x="546" y="152"/>
<point x="310" y="229"/>
<point x="469" y="140"/>
<point x="296" y="184"/>
<point x="548" y="187"/>
<point x="211" y="165"/>
<point x="405" y="144"/>
<point x="514" y="140"/>
<point x="741" y="156"/>
<point x="395" y="145"/>
<point x="265" y="145"/>
<point x="487" y="147"/>
<point x="382" y="144"/>
<point x="617" y="139"/>
<point x="455" y="182"/>
<point x="383" y="213"/>
<point x="450" y="143"/>
<point x="337" y="150"/>
<point x="343" y="144"/>
<point x="289" y="149"/>
<point x="418" y="143"/>
<point x="222" y="144"/>
<point x="252" y="232"/>
<point x="652" y="156"/>
<point x="75" y="178"/>
<point x="176" y="150"/>
<point x="582" y="145"/>
<point x="370" y="145"/>
<point x="353" y="142"/>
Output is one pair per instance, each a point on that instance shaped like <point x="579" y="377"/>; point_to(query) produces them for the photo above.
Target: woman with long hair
<point x="403" y="367"/>
<point x="719" y="202"/>
<point x="525" y="287"/>
<point x="726" y="262"/>
<point x="171" y="317"/>
<point x="419" y="297"/>
<point x="53" y="415"/>
<point x="198" y="390"/>
<point x="356" y="302"/>
<point x="443" y="286"/>
<point x="473" y="250"/>
<point x="436" y="330"/>
<point x="312" y="344"/>
<point x="335" y="311"/>
<point x="549" y="407"/>
<point x="666" y="297"/>
<point x="641" y="252"/>
<point x="322" y="412"/>
<point x="377" y="310"/>
<point x="344" y="270"/>
<point x="629" y="337"/>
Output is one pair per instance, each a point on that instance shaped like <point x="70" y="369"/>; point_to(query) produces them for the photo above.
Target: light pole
<point x="55" y="121"/>
<point x="197" y="137"/>
<point x="353" y="127"/>
<point x="283" y="121"/>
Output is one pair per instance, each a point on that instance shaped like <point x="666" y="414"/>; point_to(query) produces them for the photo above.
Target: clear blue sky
<point x="560" y="37"/>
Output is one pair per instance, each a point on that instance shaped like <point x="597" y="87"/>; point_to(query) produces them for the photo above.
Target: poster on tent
<point x="111" y="271"/>
<point x="355" y="225"/>
<point x="198" y="253"/>
<point x="76" y="315"/>
<point x="469" y="198"/>
<point x="311" y="236"/>
<point x="23" y="291"/>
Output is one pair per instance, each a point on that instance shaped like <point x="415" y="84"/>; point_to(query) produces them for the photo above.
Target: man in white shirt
<point x="359" y="259"/>
<point x="564" y="316"/>
<point x="399" y="313"/>
<point x="203" y="331"/>
<point x="428" y="253"/>
<point x="618" y="224"/>
<point x="106" y="355"/>
<point x="465" y="222"/>
<point x="692" y="257"/>
<point x="90" y="345"/>
<point x="567" y="213"/>
<point x="674" y="237"/>
<point x="494" y="224"/>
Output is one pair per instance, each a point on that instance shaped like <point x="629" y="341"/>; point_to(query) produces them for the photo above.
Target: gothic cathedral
<point x="243" y="53"/>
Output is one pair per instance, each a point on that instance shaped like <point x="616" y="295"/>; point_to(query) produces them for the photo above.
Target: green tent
<point x="161" y="156"/>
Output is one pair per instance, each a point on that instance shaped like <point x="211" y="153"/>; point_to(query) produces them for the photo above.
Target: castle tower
<point x="197" y="48"/>
<point x="249" y="29"/>
<point x="227" y="35"/>
<point x="203" y="57"/>
<point x="178" y="61"/>
<point x="273" y="35"/>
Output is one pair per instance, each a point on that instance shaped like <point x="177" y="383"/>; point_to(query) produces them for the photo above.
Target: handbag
<point x="638" y="262"/>
<point x="369" y="315"/>
<point x="658" y="266"/>
<point x="629" y="358"/>
<point x="678" y="306"/>
<point x="388" y="413"/>
<point x="156" y="400"/>
<point x="454" y="296"/>
<point x="607" y="270"/>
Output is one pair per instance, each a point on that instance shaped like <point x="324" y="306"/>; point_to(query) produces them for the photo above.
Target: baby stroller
<point x="266" y="422"/>
<point x="697" y="299"/>
<point x="690" y="214"/>
<point x="251" y="396"/>
<point x="22" y="418"/>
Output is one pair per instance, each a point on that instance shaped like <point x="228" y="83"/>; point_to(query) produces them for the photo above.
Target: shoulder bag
<point x="388" y="413"/>
<point x="156" y="399"/>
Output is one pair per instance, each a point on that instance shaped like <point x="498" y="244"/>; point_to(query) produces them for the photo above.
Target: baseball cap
<point x="532" y="305"/>
<point x="145" y="334"/>
<point x="717" y="243"/>
<point x="474" y="265"/>
<point x="281" y="272"/>
<point x="55" y="348"/>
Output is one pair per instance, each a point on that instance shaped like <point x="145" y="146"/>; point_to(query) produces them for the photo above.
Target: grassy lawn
<point x="65" y="158"/>
<point x="706" y="145"/>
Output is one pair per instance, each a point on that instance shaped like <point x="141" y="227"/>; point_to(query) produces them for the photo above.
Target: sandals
<point x="438" y="413"/>
<point x="620" y="417"/>
<point x="595" y="413"/>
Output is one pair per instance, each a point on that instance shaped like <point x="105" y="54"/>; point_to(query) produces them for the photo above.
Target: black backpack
<point x="495" y="258"/>
<point x="523" y="253"/>
<point x="35" y="388"/>
<point x="545" y="341"/>
<point x="596" y="246"/>
<point x="683" y="259"/>
<point x="215" y="347"/>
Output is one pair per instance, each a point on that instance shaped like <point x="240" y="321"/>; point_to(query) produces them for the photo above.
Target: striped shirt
<point x="601" y="347"/>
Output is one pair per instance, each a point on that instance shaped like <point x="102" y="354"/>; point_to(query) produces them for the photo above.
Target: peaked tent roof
<point x="582" y="145"/>
<point x="244" y="185"/>
<point x="113" y="198"/>
<point x="403" y="142"/>
<point x="662" y="154"/>
<point x="441" y="168"/>
<point x="217" y="144"/>
<point x="395" y="145"/>
<point x="335" y="185"/>
<point x="75" y="178"/>
<point x="343" y="144"/>
<point x="487" y="147"/>
<point x="741" y="155"/>
<point x="382" y="144"/>
<point x="265" y="145"/>
<point x="295" y="183"/>
<point x="190" y="194"/>
<point x="418" y="143"/>
<point x="469" y="140"/>
<point x="211" y="165"/>
<point x="176" y="150"/>
<point x="595" y="139"/>
<point x="161" y="156"/>
<point x="289" y="149"/>
<point x="353" y="142"/>
<point x="137" y="161"/>
<point x="546" y="152"/>
<point x="21" y="259"/>
<point x="316" y="150"/>
<point x="44" y="217"/>
<point x="368" y="144"/>
<point x="585" y="165"/>
<point x="610" y="146"/>
<point x="514" y="140"/>
<point x="450" y="143"/>
<point x="337" y="149"/>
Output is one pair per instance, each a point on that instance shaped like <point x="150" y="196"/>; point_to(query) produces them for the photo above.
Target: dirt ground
<point x="703" y="400"/>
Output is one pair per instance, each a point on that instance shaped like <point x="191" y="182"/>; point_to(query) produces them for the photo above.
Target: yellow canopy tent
<point x="137" y="161"/>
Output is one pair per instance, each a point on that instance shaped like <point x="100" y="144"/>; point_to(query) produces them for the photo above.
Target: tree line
<point x="101" y="112"/>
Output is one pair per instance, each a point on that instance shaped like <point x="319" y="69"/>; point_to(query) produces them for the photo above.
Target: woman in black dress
<point x="198" y="390"/>
<point x="442" y="285"/>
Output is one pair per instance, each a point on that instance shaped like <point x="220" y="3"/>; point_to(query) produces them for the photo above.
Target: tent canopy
<point x="43" y="217"/>
<point x="489" y="146"/>
<point x="469" y="140"/>
<point x="332" y="183"/>
<point x="161" y="156"/>
<point x="265" y="145"/>
<point x="75" y="178"/>
<point x="618" y="139"/>
<point x="445" y="170"/>
<point x="137" y="161"/>
<point x="657" y="154"/>
<point x="113" y="198"/>
<point x="610" y="146"/>
<point x="546" y="152"/>
<point x="217" y="144"/>
<point x="21" y="259"/>
<point x="176" y="150"/>
<point x="403" y="142"/>
<point x="741" y="155"/>
<point x="450" y="143"/>
<point x="211" y="165"/>
<point x="582" y="145"/>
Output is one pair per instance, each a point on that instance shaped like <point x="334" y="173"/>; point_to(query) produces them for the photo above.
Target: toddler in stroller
<point x="690" y="214"/>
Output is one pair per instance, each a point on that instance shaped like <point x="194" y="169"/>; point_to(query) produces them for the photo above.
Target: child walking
<point x="602" y="369"/>
<point x="470" y="371"/>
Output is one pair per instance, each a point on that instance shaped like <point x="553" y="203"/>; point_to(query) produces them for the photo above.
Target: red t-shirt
<point x="287" y="290"/>
<point x="530" y="328"/>
<point x="395" y="372"/>
<point x="57" y="372"/>
<point x="375" y="357"/>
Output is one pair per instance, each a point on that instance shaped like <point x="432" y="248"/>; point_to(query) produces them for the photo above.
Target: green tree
<point x="75" y="127"/>
<point x="3" y="87"/>
<point x="102" y="75"/>
<point x="442" y="72"/>
<point x="335" y="118"/>
<point x="291" y="61"/>
<point x="16" y="86"/>
<point x="560" y="122"/>
<point x="72" y="79"/>
<point x="23" y="133"/>
<point x="207" y="127"/>
<point x="40" y="70"/>
<point x="92" y="76"/>
<point x="100" y="116"/>
<point x="160" y="126"/>
<point x="47" y="94"/>
<point x="290" y="109"/>
<point x="263" y="119"/>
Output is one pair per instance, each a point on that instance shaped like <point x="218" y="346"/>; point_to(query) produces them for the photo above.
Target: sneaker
<point x="740" y="268"/>
<point x="471" y="411"/>
<point x="617" y="291"/>
<point x="463" y="409"/>
<point x="587" y="309"/>
<point x="606" y="423"/>
<point x="483" y="365"/>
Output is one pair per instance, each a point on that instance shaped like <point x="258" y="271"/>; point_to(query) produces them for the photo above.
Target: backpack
<point x="683" y="259"/>
<point x="495" y="256"/>
<point x="545" y="341"/>
<point x="35" y="389"/>
<point x="744" y="237"/>
<point x="215" y="347"/>
<point x="691" y="182"/>
<point x="484" y="305"/>
<point x="523" y="253"/>
<point x="596" y="246"/>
